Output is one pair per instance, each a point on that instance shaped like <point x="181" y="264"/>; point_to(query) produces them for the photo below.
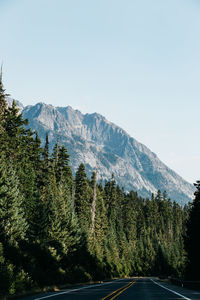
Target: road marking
<point x="74" y="290"/>
<point x="171" y="290"/>
<point x="118" y="291"/>
<point x="107" y="296"/>
<point x="115" y="296"/>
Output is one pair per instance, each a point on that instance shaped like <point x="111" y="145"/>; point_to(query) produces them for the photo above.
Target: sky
<point x="137" y="62"/>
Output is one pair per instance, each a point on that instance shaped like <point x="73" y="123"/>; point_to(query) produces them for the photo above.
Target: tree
<point x="61" y="164"/>
<point x="13" y="225"/>
<point x="94" y="199"/>
<point x="83" y="196"/>
<point x="3" y="104"/>
<point x="53" y="227"/>
<point x="192" y="239"/>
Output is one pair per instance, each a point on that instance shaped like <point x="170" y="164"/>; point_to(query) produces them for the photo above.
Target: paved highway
<point x="123" y="289"/>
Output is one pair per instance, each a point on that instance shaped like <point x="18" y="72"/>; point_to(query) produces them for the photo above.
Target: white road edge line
<point x="69" y="291"/>
<point x="171" y="290"/>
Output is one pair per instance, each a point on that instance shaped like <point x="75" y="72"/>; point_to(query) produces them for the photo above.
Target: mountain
<point x="108" y="149"/>
<point x="19" y="104"/>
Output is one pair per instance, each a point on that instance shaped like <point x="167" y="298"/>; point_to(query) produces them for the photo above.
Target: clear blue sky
<point x="137" y="62"/>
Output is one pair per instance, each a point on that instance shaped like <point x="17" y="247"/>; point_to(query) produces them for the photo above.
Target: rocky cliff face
<point x="108" y="149"/>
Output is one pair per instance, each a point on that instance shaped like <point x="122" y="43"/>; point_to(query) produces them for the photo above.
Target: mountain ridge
<point x="103" y="146"/>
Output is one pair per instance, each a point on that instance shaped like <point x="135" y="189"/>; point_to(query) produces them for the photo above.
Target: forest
<point x="58" y="228"/>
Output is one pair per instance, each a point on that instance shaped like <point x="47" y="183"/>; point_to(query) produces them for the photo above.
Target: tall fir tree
<point x="192" y="240"/>
<point x="13" y="225"/>
<point x="83" y="196"/>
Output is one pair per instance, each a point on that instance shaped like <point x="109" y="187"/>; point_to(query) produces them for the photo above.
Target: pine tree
<point x="70" y="235"/>
<point x="3" y="105"/>
<point x="83" y="195"/>
<point x="94" y="199"/>
<point x="63" y="169"/>
<point x="14" y="122"/>
<point x="37" y="162"/>
<point x="13" y="225"/>
<point x="46" y="168"/>
<point x="38" y="221"/>
<point x="46" y="150"/>
<point x="80" y="228"/>
<point x="192" y="240"/>
<point x="99" y="222"/>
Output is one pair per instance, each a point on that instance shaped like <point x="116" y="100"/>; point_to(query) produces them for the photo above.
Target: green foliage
<point x="5" y="274"/>
<point x="56" y="229"/>
<point x="192" y="238"/>
<point x="13" y="225"/>
<point x="83" y="197"/>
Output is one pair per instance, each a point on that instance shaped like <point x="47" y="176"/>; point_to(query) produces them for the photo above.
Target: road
<point x="123" y="289"/>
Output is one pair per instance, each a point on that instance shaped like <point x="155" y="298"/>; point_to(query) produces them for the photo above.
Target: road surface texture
<point x="123" y="289"/>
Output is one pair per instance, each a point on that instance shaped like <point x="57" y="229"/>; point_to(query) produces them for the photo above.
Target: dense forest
<point x="56" y="228"/>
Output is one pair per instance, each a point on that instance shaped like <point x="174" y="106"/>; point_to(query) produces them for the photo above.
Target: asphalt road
<point x="129" y="289"/>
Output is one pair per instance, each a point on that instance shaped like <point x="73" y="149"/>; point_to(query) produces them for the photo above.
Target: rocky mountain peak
<point x="104" y="146"/>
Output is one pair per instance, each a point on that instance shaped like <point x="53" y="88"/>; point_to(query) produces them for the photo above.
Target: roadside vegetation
<point x="56" y="228"/>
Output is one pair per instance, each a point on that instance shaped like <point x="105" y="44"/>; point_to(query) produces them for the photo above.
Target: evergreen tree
<point x="46" y="161"/>
<point x="14" y="125"/>
<point x="192" y="240"/>
<point x="53" y="227"/>
<point x="94" y="199"/>
<point x="45" y="152"/>
<point x="99" y="222"/>
<point x="83" y="195"/>
<point x="13" y="225"/>
<point x="3" y="105"/>
<point x="63" y="169"/>
<point x="70" y="235"/>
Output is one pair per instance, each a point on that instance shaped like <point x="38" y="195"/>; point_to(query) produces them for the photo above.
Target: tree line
<point x="56" y="228"/>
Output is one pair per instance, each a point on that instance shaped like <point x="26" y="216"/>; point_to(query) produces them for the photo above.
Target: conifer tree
<point x="37" y="162"/>
<point x="79" y="227"/>
<point x="2" y="105"/>
<point x="70" y="235"/>
<point x="83" y="195"/>
<point x="12" y="222"/>
<point x="192" y="240"/>
<point x="46" y="150"/>
<point x="99" y="222"/>
<point x="63" y="169"/>
<point x="38" y="221"/>
<point x="14" y="122"/>
<point x="45" y="171"/>
<point x="94" y="199"/>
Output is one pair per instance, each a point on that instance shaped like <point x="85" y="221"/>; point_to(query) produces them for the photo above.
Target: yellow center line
<point x="118" y="291"/>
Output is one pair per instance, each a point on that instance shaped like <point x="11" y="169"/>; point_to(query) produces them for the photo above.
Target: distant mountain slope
<point x="105" y="147"/>
<point x="19" y="104"/>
